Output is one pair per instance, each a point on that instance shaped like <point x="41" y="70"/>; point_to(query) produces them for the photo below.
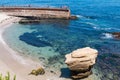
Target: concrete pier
<point x="36" y="12"/>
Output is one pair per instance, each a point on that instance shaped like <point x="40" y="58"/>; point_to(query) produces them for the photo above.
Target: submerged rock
<point x="73" y="17"/>
<point x="28" y="21"/>
<point x="39" y="71"/>
<point x="81" y="61"/>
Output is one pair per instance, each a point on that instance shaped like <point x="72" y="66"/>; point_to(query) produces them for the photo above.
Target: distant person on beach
<point x="29" y="5"/>
<point x="2" y="5"/>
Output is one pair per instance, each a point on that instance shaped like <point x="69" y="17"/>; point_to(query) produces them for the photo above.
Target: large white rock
<point x="81" y="60"/>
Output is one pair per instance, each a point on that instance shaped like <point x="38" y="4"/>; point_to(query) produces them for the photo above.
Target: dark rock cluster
<point x="116" y="35"/>
<point x="39" y="71"/>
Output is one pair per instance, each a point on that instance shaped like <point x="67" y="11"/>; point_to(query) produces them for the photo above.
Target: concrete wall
<point x="38" y="12"/>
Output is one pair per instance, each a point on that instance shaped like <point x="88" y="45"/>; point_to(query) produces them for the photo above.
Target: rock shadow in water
<point x="65" y="73"/>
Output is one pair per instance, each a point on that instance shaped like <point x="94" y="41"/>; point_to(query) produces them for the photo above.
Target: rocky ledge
<point x="81" y="61"/>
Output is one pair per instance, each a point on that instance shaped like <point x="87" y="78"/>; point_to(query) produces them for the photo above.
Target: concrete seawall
<point x="59" y="13"/>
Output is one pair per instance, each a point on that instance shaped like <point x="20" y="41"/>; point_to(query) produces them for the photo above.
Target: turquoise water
<point x="50" y="40"/>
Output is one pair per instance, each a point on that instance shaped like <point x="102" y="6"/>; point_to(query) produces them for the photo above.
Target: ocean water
<point x="50" y="40"/>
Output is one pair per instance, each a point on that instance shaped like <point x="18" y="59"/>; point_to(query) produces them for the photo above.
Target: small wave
<point x="100" y="27"/>
<point x="107" y="29"/>
<point x="107" y="36"/>
<point x="80" y="16"/>
<point x="97" y="27"/>
<point x="94" y="26"/>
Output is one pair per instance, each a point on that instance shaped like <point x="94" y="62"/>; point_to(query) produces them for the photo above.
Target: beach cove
<point x="10" y="61"/>
<point x="20" y="65"/>
<point x="25" y="47"/>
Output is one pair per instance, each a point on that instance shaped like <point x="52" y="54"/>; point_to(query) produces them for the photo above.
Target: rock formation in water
<point x="116" y="35"/>
<point x="81" y="61"/>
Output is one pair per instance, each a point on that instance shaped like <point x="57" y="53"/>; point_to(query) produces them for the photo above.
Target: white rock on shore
<point x="81" y="61"/>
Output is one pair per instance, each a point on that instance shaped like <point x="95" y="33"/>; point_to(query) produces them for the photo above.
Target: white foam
<point x="109" y="28"/>
<point x="107" y="36"/>
<point x="80" y="16"/>
<point x="94" y="26"/>
<point x="106" y="28"/>
<point x="98" y="27"/>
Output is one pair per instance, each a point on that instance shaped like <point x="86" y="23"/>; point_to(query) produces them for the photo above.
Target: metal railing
<point x="32" y="6"/>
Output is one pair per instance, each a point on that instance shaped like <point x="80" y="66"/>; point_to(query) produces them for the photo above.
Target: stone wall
<point x="38" y="12"/>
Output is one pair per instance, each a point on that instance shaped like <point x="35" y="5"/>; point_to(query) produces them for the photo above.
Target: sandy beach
<point x="9" y="60"/>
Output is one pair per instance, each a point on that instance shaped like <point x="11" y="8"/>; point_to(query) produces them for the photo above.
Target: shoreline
<point x="21" y="65"/>
<point x="11" y="61"/>
<point x="6" y="59"/>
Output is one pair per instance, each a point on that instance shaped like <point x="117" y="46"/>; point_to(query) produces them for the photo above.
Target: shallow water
<point x="50" y="40"/>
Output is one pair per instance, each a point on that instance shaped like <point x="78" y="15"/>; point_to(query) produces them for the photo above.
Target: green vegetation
<point x="7" y="77"/>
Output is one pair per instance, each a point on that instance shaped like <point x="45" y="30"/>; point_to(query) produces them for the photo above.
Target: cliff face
<point x="81" y="61"/>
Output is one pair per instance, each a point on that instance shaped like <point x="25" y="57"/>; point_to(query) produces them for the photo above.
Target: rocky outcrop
<point x="81" y="61"/>
<point x="39" y="71"/>
<point x="116" y="35"/>
<point x="73" y="17"/>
